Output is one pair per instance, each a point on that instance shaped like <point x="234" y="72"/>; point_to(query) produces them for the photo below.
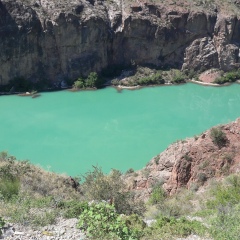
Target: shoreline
<point x="206" y="83"/>
<point x="213" y="84"/>
<point x="127" y="87"/>
<point x="119" y="87"/>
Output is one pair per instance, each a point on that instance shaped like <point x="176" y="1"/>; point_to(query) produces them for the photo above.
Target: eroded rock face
<point x="190" y="163"/>
<point x="201" y="54"/>
<point x="56" y="40"/>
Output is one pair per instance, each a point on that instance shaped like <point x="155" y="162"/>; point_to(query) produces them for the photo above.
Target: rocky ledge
<point x="192" y="162"/>
<point x="58" y="40"/>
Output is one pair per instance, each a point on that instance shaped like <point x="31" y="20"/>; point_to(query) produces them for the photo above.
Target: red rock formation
<point x="192" y="162"/>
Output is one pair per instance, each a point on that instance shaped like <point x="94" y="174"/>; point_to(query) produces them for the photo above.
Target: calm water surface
<point x="69" y="132"/>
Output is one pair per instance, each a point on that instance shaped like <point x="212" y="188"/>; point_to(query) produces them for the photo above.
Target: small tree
<point x="158" y="195"/>
<point x="218" y="137"/>
<point x="79" y="83"/>
<point x="92" y="80"/>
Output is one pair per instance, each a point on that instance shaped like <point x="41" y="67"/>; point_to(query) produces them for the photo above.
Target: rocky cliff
<point x="63" y="39"/>
<point x="192" y="162"/>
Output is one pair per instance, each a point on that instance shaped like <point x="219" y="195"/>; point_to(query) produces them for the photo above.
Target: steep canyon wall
<point x="64" y="39"/>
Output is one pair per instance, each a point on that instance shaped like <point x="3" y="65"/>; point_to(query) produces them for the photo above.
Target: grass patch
<point x="170" y="228"/>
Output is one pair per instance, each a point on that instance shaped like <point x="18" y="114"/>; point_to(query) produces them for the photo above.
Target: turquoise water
<point x="68" y="132"/>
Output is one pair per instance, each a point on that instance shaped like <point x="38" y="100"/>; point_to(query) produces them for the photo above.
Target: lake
<point x="68" y="132"/>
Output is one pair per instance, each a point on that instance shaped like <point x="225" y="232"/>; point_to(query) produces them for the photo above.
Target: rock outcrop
<point x="190" y="163"/>
<point x="56" y="40"/>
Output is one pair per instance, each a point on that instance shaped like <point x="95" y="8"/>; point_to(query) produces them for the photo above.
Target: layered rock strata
<point x="56" y="40"/>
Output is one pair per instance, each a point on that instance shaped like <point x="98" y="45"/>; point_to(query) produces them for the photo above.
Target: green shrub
<point x="97" y="186"/>
<point x="218" y="137"/>
<point x="44" y="219"/>
<point x="226" y="224"/>
<point x="156" y="159"/>
<point x="190" y="73"/>
<point x="152" y="79"/>
<point x="115" y="82"/>
<point x="79" y="84"/>
<point x="224" y="194"/>
<point x="26" y="209"/>
<point x="72" y="209"/>
<point x="9" y="188"/>
<point x="2" y="223"/>
<point x="9" y="183"/>
<point x="170" y="228"/>
<point x="136" y="224"/>
<point x="130" y="170"/>
<point x="178" y="77"/>
<point x="158" y="195"/>
<point x="228" y="77"/>
<point x="92" y="81"/>
<point x="202" y="177"/>
<point x="101" y="221"/>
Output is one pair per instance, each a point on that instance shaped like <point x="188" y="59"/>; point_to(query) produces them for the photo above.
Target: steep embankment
<point x="58" y="40"/>
<point x="192" y="162"/>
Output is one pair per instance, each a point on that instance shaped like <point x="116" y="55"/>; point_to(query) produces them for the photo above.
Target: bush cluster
<point x="98" y="186"/>
<point x="101" y="221"/>
<point x="218" y="137"/>
<point x="170" y="227"/>
<point x="9" y="180"/>
<point x="114" y="213"/>
<point x="178" y="77"/>
<point x="232" y="76"/>
<point x="92" y="81"/>
<point x="158" y="195"/>
<point x="153" y="79"/>
<point x="73" y="208"/>
<point x="222" y="209"/>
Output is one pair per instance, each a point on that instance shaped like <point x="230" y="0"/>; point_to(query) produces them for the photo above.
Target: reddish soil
<point x="190" y="163"/>
<point x="209" y="76"/>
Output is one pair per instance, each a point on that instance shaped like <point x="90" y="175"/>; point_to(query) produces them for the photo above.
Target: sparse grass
<point x="72" y="209"/>
<point x="30" y="205"/>
<point x="204" y="164"/>
<point x="226" y="223"/>
<point x="171" y="206"/>
<point x="221" y="209"/>
<point x="29" y="194"/>
<point x="170" y="228"/>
